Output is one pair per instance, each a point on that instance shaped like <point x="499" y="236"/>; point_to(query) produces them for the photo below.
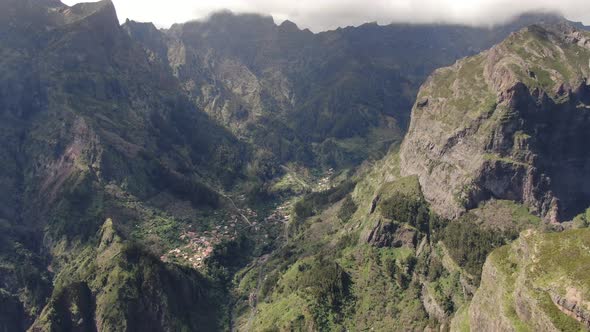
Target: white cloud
<point x="321" y="15"/>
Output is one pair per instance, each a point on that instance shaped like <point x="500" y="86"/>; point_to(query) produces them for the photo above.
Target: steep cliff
<point x="508" y="124"/>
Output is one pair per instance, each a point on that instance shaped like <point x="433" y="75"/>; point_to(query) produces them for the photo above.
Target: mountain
<point x="235" y="174"/>
<point x="117" y="286"/>
<point x="507" y="124"/>
<point x="394" y="248"/>
<point x="92" y="130"/>
<point x="536" y="283"/>
<point x="330" y="99"/>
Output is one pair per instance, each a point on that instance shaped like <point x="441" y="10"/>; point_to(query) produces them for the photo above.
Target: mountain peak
<point x="229" y="17"/>
<point x="146" y="27"/>
<point x="564" y="31"/>
<point x="539" y="17"/>
<point x="565" y="49"/>
<point x="289" y="26"/>
<point x="103" y="11"/>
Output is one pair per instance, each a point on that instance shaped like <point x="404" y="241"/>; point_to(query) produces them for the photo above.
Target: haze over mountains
<point x="332" y="14"/>
<point x="236" y="174"/>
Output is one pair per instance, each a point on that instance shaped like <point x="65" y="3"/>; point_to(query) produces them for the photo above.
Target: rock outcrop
<point x="572" y="305"/>
<point x="388" y="234"/>
<point x="508" y="124"/>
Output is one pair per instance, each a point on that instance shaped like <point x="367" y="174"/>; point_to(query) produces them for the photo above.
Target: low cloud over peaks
<point x="330" y="14"/>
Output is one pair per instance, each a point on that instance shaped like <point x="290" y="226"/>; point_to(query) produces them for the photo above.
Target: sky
<point x="321" y="15"/>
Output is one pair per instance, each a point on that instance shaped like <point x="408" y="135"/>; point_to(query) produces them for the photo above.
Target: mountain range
<point x="235" y="174"/>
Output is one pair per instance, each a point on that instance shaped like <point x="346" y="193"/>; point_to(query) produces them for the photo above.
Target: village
<point x="200" y="245"/>
<point x="325" y="182"/>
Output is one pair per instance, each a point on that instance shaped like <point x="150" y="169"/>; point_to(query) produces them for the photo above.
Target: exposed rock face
<point x="431" y="305"/>
<point x="507" y="124"/>
<point x="572" y="305"/>
<point x="388" y="234"/>
<point x="533" y="283"/>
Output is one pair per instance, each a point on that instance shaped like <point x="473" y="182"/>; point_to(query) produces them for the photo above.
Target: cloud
<point x="319" y="15"/>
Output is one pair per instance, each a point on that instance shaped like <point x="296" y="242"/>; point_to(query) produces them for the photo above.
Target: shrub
<point x="407" y="209"/>
<point x="347" y="209"/>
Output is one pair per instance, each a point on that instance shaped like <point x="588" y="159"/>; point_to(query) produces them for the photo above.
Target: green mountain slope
<point x="89" y="128"/>
<point x="374" y="256"/>
<point x="536" y="284"/>
<point x="136" y="167"/>
<point x="120" y="287"/>
<point x="381" y="255"/>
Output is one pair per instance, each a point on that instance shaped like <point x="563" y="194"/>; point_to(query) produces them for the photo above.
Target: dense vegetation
<point x="469" y="243"/>
<point x="407" y="209"/>
<point x="348" y="208"/>
<point x="315" y="202"/>
<point x="329" y="287"/>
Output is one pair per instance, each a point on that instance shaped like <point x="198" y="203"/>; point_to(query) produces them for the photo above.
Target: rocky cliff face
<point x="507" y="124"/>
<point x="536" y="283"/>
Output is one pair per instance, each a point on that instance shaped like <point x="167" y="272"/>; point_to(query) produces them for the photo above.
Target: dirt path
<point x="236" y="208"/>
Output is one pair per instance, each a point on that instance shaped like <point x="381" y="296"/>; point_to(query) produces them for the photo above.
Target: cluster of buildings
<point x="324" y="183"/>
<point x="200" y="245"/>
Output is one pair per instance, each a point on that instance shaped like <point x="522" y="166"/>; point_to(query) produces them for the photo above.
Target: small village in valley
<point x="200" y="245"/>
<point x="263" y="225"/>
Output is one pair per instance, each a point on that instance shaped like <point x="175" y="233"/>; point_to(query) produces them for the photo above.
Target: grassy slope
<point x="534" y="268"/>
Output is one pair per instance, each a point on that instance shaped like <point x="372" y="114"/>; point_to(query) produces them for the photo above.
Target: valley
<point x="234" y="174"/>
